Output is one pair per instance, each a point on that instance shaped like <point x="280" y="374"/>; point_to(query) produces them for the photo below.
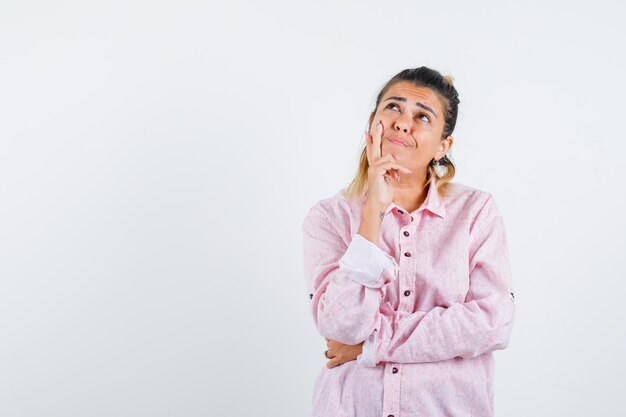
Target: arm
<point x="345" y="282"/>
<point x="481" y="324"/>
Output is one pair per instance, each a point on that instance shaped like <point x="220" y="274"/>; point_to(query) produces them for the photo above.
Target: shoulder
<point x="337" y="206"/>
<point x="475" y="203"/>
<point x="337" y="209"/>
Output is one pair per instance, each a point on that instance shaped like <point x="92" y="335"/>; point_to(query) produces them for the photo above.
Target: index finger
<point x="377" y="150"/>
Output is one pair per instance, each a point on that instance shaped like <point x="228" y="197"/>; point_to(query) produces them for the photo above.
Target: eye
<point x="424" y="116"/>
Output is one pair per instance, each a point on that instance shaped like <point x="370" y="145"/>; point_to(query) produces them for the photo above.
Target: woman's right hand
<point x="380" y="191"/>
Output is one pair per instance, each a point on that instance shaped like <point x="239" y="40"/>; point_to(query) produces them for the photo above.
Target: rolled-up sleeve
<point x="346" y="282"/>
<point x="366" y="263"/>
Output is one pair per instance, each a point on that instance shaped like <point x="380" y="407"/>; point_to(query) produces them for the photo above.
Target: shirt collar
<point x="433" y="202"/>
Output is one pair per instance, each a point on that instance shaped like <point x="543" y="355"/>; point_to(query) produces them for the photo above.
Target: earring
<point x="439" y="168"/>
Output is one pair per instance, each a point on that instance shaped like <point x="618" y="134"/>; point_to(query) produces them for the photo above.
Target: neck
<point x="410" y="193"/>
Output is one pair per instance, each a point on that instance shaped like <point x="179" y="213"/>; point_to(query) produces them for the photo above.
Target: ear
<point x="446" y="144"/>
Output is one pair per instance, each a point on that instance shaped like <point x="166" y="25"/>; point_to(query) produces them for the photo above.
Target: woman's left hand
<point x="340" y="352"/>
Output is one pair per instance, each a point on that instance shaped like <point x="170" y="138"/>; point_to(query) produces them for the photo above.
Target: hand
<point x="380" y="192"/>
<point x="340" y="352"/>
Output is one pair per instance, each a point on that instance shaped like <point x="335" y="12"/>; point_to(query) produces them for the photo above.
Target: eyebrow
<point x="417" y="103"/>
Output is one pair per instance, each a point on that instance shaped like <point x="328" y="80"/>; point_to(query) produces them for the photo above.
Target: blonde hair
<point x="444" y="88"/>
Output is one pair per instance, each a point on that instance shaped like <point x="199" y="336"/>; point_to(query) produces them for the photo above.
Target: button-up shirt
<point x="431" y="302"/>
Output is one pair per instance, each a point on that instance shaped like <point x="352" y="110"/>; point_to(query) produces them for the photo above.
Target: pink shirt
<point x="431" y="302"/>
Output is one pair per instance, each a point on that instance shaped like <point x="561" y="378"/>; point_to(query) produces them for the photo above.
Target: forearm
<point x="461" y="330"/>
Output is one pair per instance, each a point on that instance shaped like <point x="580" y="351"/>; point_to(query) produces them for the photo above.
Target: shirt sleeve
<point x="481" y="324"/>
<point x="346" y="281"/>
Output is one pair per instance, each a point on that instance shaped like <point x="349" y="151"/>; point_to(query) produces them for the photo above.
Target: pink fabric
<point x="432" y="302"/>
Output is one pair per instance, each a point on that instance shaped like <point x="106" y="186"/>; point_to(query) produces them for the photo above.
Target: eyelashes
<point x="420" y="115"/>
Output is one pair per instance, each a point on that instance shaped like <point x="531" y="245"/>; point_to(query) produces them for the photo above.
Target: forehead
<point x="414" y="93"/>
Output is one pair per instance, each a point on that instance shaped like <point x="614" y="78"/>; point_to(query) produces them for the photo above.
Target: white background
<point x="157" y="160"/>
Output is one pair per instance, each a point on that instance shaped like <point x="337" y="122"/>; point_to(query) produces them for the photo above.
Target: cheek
<point x="428" y="142"/>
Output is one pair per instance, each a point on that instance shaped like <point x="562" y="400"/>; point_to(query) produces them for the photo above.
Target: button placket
<point x="407" y="283"/>
<point x="407" y="254"/>
<point x="392" y="380"/>
<point x="391" y="394"/>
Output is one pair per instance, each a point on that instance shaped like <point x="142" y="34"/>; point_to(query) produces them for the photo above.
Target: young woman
<point x="408" y="274"/>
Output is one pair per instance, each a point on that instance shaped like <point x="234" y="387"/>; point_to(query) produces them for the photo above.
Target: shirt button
<point x="400" y="211"/>
<point x="406" y="233"/>
<point x="311" y="296"/>
<point x="411" y="218"/>
<point x="394" y="370"/>
<point x="407" y="292"/>
<point x="407" y="254"/>
<point x="390" y="415"/>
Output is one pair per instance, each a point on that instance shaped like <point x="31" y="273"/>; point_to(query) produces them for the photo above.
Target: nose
<point x="401" y="125"/>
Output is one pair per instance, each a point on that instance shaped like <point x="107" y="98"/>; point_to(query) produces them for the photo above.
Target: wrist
<point x="373" y="211"/>
<point x="371" y="221"/>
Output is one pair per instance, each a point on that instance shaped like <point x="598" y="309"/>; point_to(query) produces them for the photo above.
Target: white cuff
<point x="365" y="263"/>
<point x="367" y="356"/>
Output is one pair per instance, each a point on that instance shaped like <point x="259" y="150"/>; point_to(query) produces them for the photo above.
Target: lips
<point x="398" y="141"/>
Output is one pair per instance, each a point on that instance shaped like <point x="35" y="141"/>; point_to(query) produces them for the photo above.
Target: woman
<point x="408" y="273"/>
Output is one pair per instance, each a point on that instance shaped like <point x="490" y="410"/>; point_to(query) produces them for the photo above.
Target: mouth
<point x="398" y="141"/>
